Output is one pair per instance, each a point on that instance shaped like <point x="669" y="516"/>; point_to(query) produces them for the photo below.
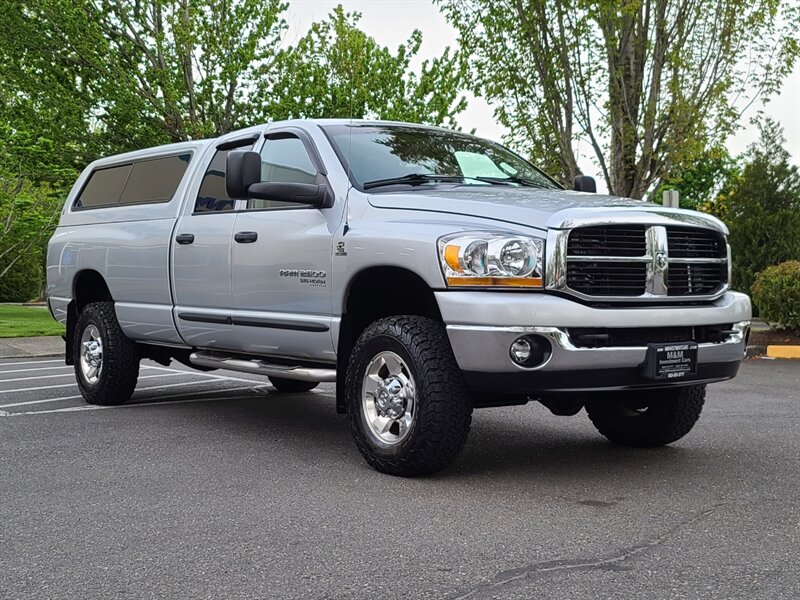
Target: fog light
<point x="530" y="350"/>
<point x="521" y="351"/>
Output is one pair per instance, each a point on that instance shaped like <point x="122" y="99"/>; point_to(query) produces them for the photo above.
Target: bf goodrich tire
<point x="106" y="362"/>
<point x="647" y="418"/>
<point x="409" y="407"/>
<point x="292" y="385"/>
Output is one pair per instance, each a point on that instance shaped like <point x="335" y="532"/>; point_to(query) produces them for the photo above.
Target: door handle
<point x="245" y="237"/>
<point x="184" y="238"/>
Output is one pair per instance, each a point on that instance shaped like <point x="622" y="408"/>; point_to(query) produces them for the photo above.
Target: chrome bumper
<point x="482" y="326"/>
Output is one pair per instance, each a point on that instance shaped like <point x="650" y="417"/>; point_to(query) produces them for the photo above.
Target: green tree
<point x="704" y="180"/>
<point x="649" y="85"/>
<point x="336" y="70"/>
<point x="763" y="208"/>
<point x="151" y="70"/>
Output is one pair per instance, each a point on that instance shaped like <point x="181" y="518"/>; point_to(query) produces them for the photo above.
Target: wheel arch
<point x="374" y="293"/>
<point x="88" y="286"/>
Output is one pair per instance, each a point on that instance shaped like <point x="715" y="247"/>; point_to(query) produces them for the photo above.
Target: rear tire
<point x="409" y="407"/>
<point x="647" y="418"/>
<point x="106" y="361"/>
<point x="292" y="385"/>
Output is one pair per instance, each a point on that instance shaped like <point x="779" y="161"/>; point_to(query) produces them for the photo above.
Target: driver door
<point x="281" y="260"/>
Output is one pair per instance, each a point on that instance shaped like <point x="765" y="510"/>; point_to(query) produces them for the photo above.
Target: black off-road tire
<point x="120" y="366"/>
<point x="443" y="411"/>
<point x="647" y="418"/>
<point x="292" y="385"/>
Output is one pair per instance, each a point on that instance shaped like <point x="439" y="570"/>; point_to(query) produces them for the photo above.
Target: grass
<point x="27" y="321"/>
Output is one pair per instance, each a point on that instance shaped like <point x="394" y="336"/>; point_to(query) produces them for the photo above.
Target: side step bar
<point x="261" y="367"/>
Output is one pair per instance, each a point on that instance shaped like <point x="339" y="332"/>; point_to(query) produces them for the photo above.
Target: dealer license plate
<point x="671" y="362"/>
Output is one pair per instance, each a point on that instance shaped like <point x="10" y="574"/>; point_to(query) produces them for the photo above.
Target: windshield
<point x="379" y="155"/>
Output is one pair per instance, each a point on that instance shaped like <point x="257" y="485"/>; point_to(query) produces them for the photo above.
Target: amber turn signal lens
<point x="451" y="257"/>
<point x="495" y="281"/>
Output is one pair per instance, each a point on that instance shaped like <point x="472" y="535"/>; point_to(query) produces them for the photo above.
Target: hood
<point x="539" y="208"/>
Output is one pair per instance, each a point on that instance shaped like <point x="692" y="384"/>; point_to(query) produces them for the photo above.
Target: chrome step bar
<point x="261" y="367"/>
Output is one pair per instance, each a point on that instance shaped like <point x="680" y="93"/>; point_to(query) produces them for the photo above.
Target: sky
<point x="390" y="22"/>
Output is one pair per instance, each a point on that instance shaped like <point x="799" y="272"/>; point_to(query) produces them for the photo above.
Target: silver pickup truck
<point x="427" y="272"/>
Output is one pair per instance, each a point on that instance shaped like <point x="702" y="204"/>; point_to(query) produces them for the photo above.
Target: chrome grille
<point x="622" y="240"/>
<point x="607" y="278"/>
<point x="640" y="261"/>
<point x="687" y="242"/>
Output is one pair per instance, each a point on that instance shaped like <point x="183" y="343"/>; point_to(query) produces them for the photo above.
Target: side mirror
<point x="301" y="193"/>
<point x="242" y="169"/>
<point x="243" y="181"/>
<point x="584" y="183"/>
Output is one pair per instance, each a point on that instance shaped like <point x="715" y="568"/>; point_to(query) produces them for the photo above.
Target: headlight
<point x="492" y="259"/>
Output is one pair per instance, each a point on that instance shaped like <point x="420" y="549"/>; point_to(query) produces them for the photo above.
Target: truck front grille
<point x="630" y="261"/>
<point x="598" y="337"/>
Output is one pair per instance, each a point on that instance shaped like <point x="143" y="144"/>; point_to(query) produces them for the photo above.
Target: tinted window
<point x="212" y="195"/>
<point x="284" y="160"/>
<point x="141" y="182"/>
<point x="104" y="187"/>
<point x="155" y="180"/>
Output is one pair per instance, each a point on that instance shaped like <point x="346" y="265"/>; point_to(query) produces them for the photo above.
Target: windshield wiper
<point x="510" y="179"/>
<point x="413" y="179"/>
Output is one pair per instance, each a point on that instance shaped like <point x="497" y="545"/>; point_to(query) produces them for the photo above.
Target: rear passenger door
<point x="201" y="260"/>
<point x="281" y="259"/>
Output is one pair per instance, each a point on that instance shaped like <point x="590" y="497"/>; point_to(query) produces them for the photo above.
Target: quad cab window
<point x="141" y="182"/>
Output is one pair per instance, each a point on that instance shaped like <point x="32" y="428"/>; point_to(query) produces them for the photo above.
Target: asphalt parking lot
<point x="213" y="485"/>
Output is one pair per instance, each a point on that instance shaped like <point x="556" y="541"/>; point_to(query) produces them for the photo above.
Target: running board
<point x="261" y="367"/>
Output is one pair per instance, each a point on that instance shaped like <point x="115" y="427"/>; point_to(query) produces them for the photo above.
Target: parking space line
<point x="67" y="374"/>
<point x="46" y="400"/>
<point x="39" y="369"/>
<point x="202" y="374"/>
<point x="134" y="405"/>
<point x="32" y="362"/>
<point x="60" y="385"/>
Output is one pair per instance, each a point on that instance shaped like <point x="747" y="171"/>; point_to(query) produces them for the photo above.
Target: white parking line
<point x="63" y="385"/>
<point x="31" y="362"/>
<point x="67" y="374"/>
<point x="202" y="374"/>
<point x="139" y="405"/>
<point x="215" y="391"/>
<point x="39" y="369"/>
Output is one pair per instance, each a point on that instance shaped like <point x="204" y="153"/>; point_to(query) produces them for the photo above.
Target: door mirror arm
<point x="320" y="196"/>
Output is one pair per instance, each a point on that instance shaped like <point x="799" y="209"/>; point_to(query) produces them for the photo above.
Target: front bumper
<point x="483" y="325"/>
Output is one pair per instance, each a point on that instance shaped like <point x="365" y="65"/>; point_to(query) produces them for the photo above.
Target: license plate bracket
<point x="671" y="361"/>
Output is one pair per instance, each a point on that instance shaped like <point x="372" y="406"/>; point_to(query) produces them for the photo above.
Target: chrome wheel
<point x="91" y="354"/>
<point x="388" y="398"/>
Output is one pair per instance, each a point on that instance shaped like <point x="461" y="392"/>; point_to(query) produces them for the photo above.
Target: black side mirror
<point x="584" y="183"/>
<point x="243" y="180"/>
<point x="301" y="193"/>
<point x="242" y="169"/>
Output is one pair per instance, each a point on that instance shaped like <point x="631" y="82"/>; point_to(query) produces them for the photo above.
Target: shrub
<point x="23" y="281"/>
<point x="776" y="292"/>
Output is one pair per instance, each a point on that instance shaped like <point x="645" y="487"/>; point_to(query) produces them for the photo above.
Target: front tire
<point x="647" y="418"/>
<point x="292" y="386"/>
<point x="409" y="407"/>
<point x="106" y="361"/>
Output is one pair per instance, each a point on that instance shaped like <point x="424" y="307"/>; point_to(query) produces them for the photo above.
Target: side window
<point x="142" y="182"/>
<point x="104" y="187"/>
<point x="212" y="196"/>
<point x="155" y="180"/>
<point x="284" y="159"/>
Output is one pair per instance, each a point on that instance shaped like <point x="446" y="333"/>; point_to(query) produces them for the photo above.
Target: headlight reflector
<point x="492" y="259"/>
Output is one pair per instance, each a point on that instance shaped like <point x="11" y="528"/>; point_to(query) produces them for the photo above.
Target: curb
<point x="783" y="351"/>
<point x="755" y="351"/>
<point x="27" y="347"/>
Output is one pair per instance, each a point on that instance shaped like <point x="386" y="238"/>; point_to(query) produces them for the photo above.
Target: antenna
<point x="349" y="158"/>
